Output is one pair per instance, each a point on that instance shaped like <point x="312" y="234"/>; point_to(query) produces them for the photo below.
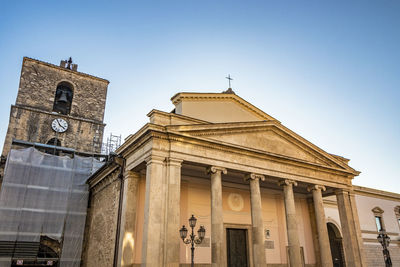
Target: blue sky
<point x="328" y="70"/>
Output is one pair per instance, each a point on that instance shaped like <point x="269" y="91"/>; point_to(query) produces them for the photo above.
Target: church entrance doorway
<point x="237" y="248"/>
<point x="335" y="241"/>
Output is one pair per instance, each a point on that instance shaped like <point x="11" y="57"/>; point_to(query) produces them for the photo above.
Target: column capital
<point x="131" y="175"/>
<point x="254" y="176"/>
<point x="341" y="191"/>
<point x="215" y="169"/>
<point x="174" y="161"/>
<point x="154" y="159"/>
<point x="287" y="182"/>
<point x="316" y="187"/>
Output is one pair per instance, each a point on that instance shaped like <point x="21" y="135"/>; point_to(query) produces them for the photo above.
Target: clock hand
<point x="60" y="125"/>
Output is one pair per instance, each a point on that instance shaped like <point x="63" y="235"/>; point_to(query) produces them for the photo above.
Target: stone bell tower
<point x="58" y="105"/>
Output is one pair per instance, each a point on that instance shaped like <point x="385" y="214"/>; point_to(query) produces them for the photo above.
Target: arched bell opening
<point x="336" y="244"/>
<point x="63" y="98"/>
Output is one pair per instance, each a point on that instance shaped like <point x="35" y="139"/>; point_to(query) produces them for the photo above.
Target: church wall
<point x="99" y="250"/>
<point x="195" y="199"/>
<point x="365" y="203"/>
<point x="373" y="249"/>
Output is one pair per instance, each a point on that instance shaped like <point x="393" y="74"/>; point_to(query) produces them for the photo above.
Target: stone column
<point x="154" y="213"/>
<point x="291" y="223"/>
<point x="350" y="240"/>
<point x="323" y="238"/>
<point x="218" y="246"/>
<point x="172" y="249"/>
<point x="127" y="240"/>
<point x="257" y="220"/>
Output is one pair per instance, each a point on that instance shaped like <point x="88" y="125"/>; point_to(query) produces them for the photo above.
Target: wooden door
<point x="236" y="246"/>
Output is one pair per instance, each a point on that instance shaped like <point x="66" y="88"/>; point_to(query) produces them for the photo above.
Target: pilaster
<point x="154" y="213"/>
<point x="126" y="248"/>
<point x="172" y="250"/>
<point x="350" y="240"/>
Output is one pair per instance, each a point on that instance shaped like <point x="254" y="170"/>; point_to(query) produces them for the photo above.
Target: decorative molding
<point x="287" y="182"/>
<point x="254" y="176"/>
<point x="173" y="162"/>
<point x="377" y="211"/>
<point x="377" y="233"/>
<point x="215" y="169"/>
<point x="316" y="187"/>
<point x="397" y="211"/>
<point x="131" y="175"/>
<point x="154" y="159"/>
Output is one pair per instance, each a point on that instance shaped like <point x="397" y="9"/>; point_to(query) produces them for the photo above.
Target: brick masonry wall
<point x="374" y="256"/>
<point x="101" y="225"/>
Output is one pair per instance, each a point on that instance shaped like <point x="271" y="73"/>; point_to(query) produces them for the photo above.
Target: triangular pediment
<point x="217" y="107"/>
<point x="267" y="137"/>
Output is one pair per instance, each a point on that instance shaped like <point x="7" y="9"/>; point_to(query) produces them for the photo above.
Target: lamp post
<point x="192" y="238"/>
<point x="384" y="239"/>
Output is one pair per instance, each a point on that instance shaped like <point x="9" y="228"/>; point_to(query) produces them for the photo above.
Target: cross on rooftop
<point x="229" y="79"/>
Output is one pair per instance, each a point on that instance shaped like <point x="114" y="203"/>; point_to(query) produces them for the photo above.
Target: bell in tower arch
<point x="63" y="98"/>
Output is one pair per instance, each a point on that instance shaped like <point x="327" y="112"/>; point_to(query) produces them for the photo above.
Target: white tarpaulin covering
<point x="45" y="195"/>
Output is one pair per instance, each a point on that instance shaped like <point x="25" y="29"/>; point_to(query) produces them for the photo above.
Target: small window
<point x="63" y="98"/>
<point x="378" y="221"/>
<point x="378" y="213"/>
<point x="397" y="212"/>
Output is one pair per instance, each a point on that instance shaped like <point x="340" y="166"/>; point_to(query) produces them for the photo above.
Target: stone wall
<point x="38" y="85"/>
<point x="374" y="256"/>
<point x="31" y="116"/>
<point x="102" y="223"/>
<point x="34" y="125"/>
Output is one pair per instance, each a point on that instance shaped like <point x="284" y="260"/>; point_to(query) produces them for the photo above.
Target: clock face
<point x="59" y="125"/>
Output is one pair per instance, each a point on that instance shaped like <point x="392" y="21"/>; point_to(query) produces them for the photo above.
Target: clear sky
<point x="328" y="70"/>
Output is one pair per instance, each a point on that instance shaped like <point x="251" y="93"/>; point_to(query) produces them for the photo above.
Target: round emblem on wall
<point x="235" y="202"/>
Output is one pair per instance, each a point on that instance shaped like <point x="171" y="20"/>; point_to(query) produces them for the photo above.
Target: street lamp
<point x="192" y="238"/>
<point x="384" y="239"/>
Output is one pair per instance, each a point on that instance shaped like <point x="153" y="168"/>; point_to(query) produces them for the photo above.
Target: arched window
<point x="63" y="98"/>
<point x="53" y="142"/>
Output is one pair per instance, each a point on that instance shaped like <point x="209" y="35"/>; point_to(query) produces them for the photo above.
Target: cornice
<point x="178" y="116"/>
<point x="64" y="69"/>
<point x="177" y="98"/>
<point x="365" y="191"/>
<point x="261" y="128"/>
<point x="57" y="114"/>
<point x="104" y="181"/>
<point x="245" y="127"/>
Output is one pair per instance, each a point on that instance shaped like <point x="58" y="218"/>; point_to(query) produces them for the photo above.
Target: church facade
<point x="265" y="195"/>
